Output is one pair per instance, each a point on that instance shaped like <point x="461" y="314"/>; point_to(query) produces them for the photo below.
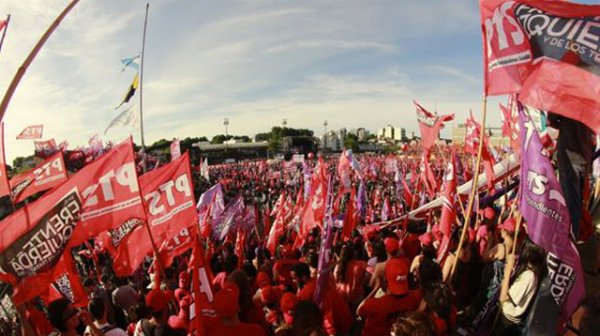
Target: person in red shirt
<point x="338" y="317"/>
<point x="350" y="276"/>
<point x="380" y="312"/>
<point x="227" y="307"/>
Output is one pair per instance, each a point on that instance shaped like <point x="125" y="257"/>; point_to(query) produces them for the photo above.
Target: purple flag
<point x="206" y="198"/>
<point x="361" y="200"/>
<point x="324" y="273"/>
<point x="544" y="208"/>
<point x="232" y="215"/>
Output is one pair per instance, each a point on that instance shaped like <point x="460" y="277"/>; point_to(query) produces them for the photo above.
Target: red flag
<point x="472" y="136"/>
<point x="175" y="149"/>
<point x="60" y="282"/>
<point x="176" y="245"/>
<point x="427" y="176"/>
<point x="202" y="292"/>
<point x="278" y="226"/>
<point x="45" y="148"/>
<point x="552" y="69"/>
<point x="351" y="218"/>
<point x="4" y="187"/>
<point x="448" y="207"/>
<point x="314" y="209"/>
<point x="430" y="125"/>
<point x="169" y="200"/>
<point x="44" y="176"/>
<point x="100" y="196"/>
<point x="31" y="132"/>
<point x="343" y="170"/>
<point x="3" y="24"/>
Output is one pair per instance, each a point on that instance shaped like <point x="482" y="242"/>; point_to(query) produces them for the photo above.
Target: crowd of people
<point x="385" y="279"/>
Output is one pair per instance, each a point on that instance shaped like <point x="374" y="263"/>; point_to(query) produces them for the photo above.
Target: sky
<point x="353" y="63"/>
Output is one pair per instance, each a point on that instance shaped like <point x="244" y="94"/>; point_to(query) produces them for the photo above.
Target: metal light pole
<point x="324" y="135"/>
<point x="226" y="123"/>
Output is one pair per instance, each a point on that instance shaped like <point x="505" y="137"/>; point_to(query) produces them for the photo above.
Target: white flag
<point x="204" y="170"/>
<point x="129" y="116"/>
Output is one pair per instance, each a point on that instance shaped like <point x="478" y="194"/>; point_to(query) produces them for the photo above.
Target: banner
<point x="4" y="186"/>
<point x="62" y="281"/>
<point x="44" y="176"/>
<point x="45" y="148"/>
<point x="548" y="52"/>
<point x="169" y="200"/>
<point x="100" y="196"/>
<point x="229" y="219"/>
<point x="202" y="293"/>
<point x="548" y="224"/>
<point x="430" y="126"/>
<point x="31" y="132"/>
<point x="175" y="149"/>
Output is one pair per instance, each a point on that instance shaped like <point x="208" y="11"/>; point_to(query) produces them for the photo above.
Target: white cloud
<point x="256" y="62"/>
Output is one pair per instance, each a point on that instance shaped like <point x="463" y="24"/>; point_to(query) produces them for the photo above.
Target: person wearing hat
<point x="427" y="251"/>
<point x="227" y="308"/>
<point x="287" y="305"/>
<point x="157" y="301"/>
<point x="397" y="299"/>
<point x="392" y="248"/>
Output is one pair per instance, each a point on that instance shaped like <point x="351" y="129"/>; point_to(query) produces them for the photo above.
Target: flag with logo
<point x="31" y="132"/>
<point x="544" y="209"/>
<point x="430" y="125"/>
<point x="46" y="175"/>
<point x="547" y="51"/>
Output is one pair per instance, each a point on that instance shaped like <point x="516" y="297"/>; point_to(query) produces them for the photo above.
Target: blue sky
<point x="353" y="63"/>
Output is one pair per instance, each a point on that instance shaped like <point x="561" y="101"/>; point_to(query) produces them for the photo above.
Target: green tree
<point x="219" y="139"/>
<point x="21" y="164"/>
<point x="351" y="142"/>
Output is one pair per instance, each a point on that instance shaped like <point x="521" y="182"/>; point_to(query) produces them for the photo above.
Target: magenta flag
<point x="544" y="208"/>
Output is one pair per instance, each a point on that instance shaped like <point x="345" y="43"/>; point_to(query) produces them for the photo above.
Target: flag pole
<point x="141" y="85"/>
<point x="4" y="32"/>
<point x="23" y="68"/>
<point x="474" y="187"/>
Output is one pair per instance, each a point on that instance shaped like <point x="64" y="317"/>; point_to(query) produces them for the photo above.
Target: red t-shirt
<point x="237" y="330"/>
<point x="282" y="271"/>
<point x="337" y="316"/>
<point x="380" y="313"/>
<point x="352" y="288"/>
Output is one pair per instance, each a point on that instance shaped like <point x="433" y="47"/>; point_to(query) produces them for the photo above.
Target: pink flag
<point x="553" y="69"/>
<point x="31" y="132"/>
<point x="175" y="149"/>
<point x="430" y="125"/>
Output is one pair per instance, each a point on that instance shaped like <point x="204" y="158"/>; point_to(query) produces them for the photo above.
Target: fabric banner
<point x="548" y="52"/>
<point x="202" y="292"/>
<point x="31" y="132"/>
<point x="544" y="208"/>
<point x="175" y="149"/>
<point x="4" y="186"/>
<point x="102" y="195"/>
<point x="430" y="125"/>
<point x="169" y="200"/>
<point x="229" y="219"/>
<point x="44" y="176"/>
<point x="63" y="281"/>
<point x="45" y="148"/>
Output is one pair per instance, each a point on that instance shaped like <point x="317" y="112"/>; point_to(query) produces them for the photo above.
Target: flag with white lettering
<point x="169" y="200"/>
<point x="548" y="224"/>
<point x="202" y="292"/>
<point x="548" y="52"/>
<point x="44" y="176"/>
<point x="100" y="196"/>
<point x="430" y="126"/>
<point x="31" y="132"/>
<point x="45" y="148"/>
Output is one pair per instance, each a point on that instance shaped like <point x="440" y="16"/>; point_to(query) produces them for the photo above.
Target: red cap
<point x="391" y="244"/>
<point x="396" y="275"/>
<point x="488" y="213"/>
<point x="226" y="300"/>
<point x="288" y="304"/>
<point x="508" y="225"/>
<point x="262" y="279"/>
<point x="426" y="238"/>
<point x="268" y="295"/>
<point x="157" y="300"/>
